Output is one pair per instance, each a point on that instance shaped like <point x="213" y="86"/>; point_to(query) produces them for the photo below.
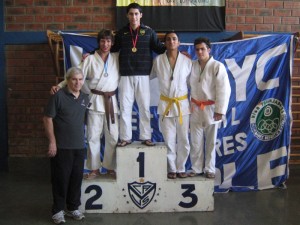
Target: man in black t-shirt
<point x="64" y="125"/>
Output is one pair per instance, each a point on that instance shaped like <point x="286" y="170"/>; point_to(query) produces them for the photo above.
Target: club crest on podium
<point x="141" y="194"/>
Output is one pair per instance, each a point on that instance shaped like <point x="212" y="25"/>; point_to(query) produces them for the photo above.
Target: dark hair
<point x="170" y="32"/>
<point x="202" y="40"/>
<point x="134" y="6"/>
<point x="105" y="34"/>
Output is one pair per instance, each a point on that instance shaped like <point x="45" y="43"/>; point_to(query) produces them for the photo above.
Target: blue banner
<point x="253" y="143"/>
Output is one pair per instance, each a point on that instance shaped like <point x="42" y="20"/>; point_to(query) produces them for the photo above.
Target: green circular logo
<point x="267" y="119"/>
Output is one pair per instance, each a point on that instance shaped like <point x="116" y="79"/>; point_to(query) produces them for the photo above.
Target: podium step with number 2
<point x="141" y="185"/>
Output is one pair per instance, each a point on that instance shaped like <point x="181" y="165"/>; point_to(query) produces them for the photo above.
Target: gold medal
<point x="134" y="39"/>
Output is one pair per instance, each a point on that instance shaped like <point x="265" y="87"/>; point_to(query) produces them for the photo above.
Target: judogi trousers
<point x="176" y="138"/>
<point x="203" y="147"/>
<point x="134" y="88"/>
<point x="66" y="178"/>
<point x="96" y="127"/>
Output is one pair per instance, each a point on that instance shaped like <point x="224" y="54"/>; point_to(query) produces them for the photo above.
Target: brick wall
<point x="40" y="15"/>
<point x="30" y="74"/>
<point x="258" y="15"/>
<point x="30" y="70"/>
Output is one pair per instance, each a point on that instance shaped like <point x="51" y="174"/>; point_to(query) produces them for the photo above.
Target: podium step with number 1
<point x="141" y="185"/>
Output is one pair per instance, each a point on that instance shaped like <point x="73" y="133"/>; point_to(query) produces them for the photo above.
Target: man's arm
<point x="223" y="91"/>
<point x="155" y="44"/>
<point x="153" y="73"/>
<point x="56" y="88"/>
<point x="49" y="129"/>
<point x="117" y="43"/>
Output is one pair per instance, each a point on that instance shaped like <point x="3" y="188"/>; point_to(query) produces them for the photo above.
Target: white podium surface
<point x="141" y="185"/>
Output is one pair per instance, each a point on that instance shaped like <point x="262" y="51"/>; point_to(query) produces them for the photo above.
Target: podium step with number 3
<point x="141" y="185"/>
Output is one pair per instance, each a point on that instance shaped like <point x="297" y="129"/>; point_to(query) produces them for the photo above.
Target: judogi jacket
<point x="93" y="68"/>
<point x="211" y="84"/>
<point x="172" y="87"/>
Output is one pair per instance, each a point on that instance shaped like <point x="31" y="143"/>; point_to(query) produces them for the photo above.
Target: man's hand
<point x="52" y="150"/>
<point x="54" y="89"/>
<point x="217" y="116"/>
<point x="84" y="56"/>
<point x="186" y="54"/>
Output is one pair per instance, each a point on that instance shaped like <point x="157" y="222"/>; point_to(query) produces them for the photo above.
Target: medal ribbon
<point x="172" y="69"/>
<point x="136" y="36"/>
<point x="105" y="66"/>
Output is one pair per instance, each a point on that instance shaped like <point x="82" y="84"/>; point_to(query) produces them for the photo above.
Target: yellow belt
<point x="170" y="102"/>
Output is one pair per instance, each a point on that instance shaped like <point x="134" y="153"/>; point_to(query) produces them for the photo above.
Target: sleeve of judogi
<point x="223" y="89"/>
<point x="84" y="66"/>
<point x="188" y="80"/>
<point x="64" y="82"/>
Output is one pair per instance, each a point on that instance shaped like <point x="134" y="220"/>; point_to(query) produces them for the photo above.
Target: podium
<point x="141" y="185"/>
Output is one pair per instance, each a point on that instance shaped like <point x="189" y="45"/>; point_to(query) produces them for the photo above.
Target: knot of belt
<point x="170" y="102"/>
<point x="108" y="105"/>
<point x="202" y="104"/>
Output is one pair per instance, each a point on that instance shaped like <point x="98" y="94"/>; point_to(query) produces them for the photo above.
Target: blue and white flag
<point x="253" y="148"/>
<point x="75" y="45"/>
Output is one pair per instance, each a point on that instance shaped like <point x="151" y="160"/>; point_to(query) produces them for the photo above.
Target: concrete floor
<point x="25" y="198"/>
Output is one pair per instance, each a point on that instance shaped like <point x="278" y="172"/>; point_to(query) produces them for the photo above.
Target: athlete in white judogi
<point x="101" y="75"/>
<point x="172" y="70"/>
<point x="210" y="93"/>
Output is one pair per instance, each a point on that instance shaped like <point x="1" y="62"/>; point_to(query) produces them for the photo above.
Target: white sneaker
<point x="76" y="214"/>
<point x="59" y="217"/>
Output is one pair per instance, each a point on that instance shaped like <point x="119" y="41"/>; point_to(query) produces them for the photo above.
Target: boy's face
<point x="134" y="16"/>
<point x="105" y="45"/>
<point x="202" y="51"/>
<point x="172" y="42"/>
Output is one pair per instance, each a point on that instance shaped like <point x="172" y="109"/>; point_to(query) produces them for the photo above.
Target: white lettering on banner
<point x="240" y="139"/>
<point x="218" y="145"/>
<point x="229" y="170"/>
<point x="264" y="171"/>
<point x="261" y="64"/>
<point x="241" y="75"/>
<point x="233" y="121"/>
<point x="230" y="144"/>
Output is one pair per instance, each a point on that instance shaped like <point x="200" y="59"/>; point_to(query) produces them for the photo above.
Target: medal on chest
<point x="134" y="39"/>
<point x="106" y="67"/>
<point x="134" y="49"/>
